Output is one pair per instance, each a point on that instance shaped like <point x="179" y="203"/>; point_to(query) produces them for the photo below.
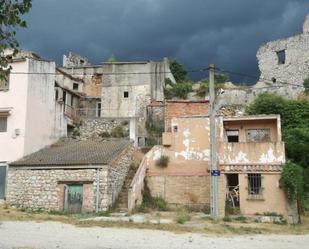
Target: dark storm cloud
<point x="196" y="32"/>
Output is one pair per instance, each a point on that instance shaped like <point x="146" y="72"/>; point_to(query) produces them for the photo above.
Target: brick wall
<point x="183" y="108"/>
<point x="181" y="189"/>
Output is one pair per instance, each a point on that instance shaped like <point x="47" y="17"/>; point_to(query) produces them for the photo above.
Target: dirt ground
<point x="52" y="235"/>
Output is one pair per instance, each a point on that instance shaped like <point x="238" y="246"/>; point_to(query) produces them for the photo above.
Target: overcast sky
<point x="196" y="32"/>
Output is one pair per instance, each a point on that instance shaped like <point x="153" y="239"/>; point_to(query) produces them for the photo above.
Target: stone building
<point x="71" y="176"/>
<point x="283" y="65"/>
<point x="119" y="90"/>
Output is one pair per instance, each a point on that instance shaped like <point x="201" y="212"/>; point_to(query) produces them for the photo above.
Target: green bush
<point x="160" y="204"/>
<point x="150" y="202"/>
<point x="291" y="181"/>
<point x="104" y="134"/>
<point x="182" y="217"/>
<point x="163" y="161"/>
<point x="118" y="132"/>
<point x="227" y="219"/>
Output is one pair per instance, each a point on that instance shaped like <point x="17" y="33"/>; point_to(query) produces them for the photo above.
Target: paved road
<point x="54" y="235"/>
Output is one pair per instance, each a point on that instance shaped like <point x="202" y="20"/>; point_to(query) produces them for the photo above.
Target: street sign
<point x="215" y="172"/>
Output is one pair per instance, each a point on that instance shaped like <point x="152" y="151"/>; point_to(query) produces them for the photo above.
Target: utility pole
<point x="213" y="147"/>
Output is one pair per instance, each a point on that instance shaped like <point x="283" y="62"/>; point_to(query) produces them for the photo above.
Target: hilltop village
<point x="93" y="138"/>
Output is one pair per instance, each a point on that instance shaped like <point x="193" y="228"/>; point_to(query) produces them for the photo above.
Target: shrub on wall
<point x="291" y="181"/>
<point x="163" y="161"/>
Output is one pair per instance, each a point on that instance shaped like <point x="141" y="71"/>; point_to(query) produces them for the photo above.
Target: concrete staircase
<point x="122" y="202"/>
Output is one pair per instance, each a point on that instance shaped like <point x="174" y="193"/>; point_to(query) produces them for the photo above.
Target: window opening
<point x="126" y="94"/>
<point x="254" y="184"/>
<point x="3" y="124"/>
<point x="258" y="135"/>
<point x="99" y="109"/>
<point x="175" y="128"/>
<point x="232" y="136"/>
<point x="281" y="57"/>
<point x="75" y="86"/>
<point x="4" y="83"/>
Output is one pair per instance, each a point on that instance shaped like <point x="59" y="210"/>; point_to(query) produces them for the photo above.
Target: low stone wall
<point x="91" y="128"/>
<point x="184" y="190"/>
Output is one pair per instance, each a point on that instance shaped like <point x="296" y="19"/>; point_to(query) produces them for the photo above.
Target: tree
<point x="220" y="80"/>
<point x="178" y="90"/>
<point x="177" y="69"/>
<point x="112" y="58"/>
<point x="11" y="12"/>
<point x="295" y="129"/>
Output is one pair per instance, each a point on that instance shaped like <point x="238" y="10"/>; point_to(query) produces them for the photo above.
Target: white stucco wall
<point x="34" y="112"/>
<point x="11" y="146"/>
<point x="41" y="129"/>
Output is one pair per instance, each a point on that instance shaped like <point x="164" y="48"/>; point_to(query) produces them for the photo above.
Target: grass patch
<point x="182" y="217"/>
<point x="242" y="219"/>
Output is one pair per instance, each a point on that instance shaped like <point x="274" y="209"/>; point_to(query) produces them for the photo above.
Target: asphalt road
<point x="51" y="235"/>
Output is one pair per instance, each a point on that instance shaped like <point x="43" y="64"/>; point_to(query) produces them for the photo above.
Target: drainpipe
<point x="98" y="191"/>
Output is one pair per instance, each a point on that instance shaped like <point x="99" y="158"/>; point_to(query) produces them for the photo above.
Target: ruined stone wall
<point x="73" y="60"/>
<point x="91" y="128"/>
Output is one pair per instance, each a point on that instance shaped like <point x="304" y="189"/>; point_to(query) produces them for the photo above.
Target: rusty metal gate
<point x="3" y="169"/>
<point x="73" y="201"/>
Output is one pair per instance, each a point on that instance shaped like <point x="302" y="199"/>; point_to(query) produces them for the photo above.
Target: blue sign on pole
<point x="215" y="172"/>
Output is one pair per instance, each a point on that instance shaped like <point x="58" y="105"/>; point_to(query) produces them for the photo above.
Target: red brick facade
<point x="179" y="108"/>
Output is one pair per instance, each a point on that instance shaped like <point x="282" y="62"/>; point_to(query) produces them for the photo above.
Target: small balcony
<point x="251" y="153"/>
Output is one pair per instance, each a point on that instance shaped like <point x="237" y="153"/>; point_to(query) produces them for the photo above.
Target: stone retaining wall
<point x="91" y="128"/>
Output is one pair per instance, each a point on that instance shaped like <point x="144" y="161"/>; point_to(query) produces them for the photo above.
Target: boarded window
<point x="4" y="83"/>
<point x="3" y="124"/>
<point x="258" y="135"/>
<point x="281" y="57"/>
<point x="254" y="185"/>
<point x="232" y="136"/>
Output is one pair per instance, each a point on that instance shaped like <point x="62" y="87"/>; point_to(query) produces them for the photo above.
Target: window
<point x="4" y="83"/>
<point x="175" y="128"/>
<point x="56" y="94"/>
<point x="254" y="185"/>
<point x="258" y="135"/>
<point x="232" y="136"/>
<point x="98" y="114"/>
<point x="75" y="86"/>
<point x="281" y="57"/>
<point x="3" y="124"/>
<point x="126" y="94"/>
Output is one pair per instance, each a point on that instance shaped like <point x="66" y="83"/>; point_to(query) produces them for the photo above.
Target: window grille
<point x="258" y="135"/>
<point x="254" y="185"/>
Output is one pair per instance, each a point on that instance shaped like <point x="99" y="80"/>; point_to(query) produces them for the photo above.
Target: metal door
<point x="3" y="168"/>
<point x="73" y="198"/>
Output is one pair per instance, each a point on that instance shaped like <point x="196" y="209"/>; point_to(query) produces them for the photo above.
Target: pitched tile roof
<point x="72" y="152"/>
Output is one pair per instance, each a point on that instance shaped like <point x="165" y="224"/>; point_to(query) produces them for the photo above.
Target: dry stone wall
<point x="93" y="128"/>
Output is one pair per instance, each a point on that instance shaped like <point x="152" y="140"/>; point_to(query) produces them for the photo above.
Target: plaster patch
<point x="269" y="157"/>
